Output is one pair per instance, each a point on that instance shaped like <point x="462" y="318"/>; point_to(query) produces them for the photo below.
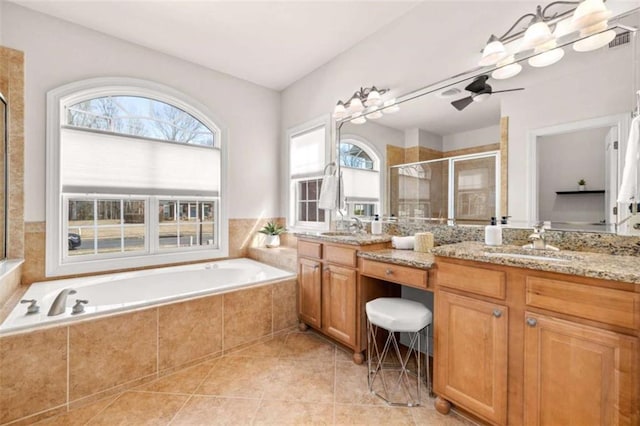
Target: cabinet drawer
<point x="485" y="282"/>
<point x="341" y="255"/>
<point x="309" y="249"/>
<point x="404" y="275"/>
<point x="606" y="305"/>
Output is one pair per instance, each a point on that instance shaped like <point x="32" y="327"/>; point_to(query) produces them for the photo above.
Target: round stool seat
<point x="395" y="314"/>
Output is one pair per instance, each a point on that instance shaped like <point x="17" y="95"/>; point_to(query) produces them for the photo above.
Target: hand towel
<point x="403" y="243"/>
<point x="328" y="192"/>
<point x="629" y="186"/>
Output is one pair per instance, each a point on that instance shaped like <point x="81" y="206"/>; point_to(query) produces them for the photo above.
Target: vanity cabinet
<point x="328" y="296"/>
<point x="521" y="346"/>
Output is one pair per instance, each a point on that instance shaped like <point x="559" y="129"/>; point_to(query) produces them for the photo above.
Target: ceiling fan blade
<point x="478" y="85"/>
<point x="461" y="104"/>
<point x="508" y="90"/>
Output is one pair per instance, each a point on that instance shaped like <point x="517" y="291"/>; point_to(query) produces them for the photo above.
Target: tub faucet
<point x="60" y="303"/>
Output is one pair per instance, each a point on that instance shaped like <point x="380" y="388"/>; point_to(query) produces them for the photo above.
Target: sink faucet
<point x="357" y="226"/>
<point x="60" y="303"/>
<point x="538" y="239"/>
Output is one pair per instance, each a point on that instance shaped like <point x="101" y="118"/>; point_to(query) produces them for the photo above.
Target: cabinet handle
<point x="389" y="272"/>
<point x="326" y="269"/>
<point x="316" y="267"/>
<point x="531" y="322"/>
<point x="497" y="313"/>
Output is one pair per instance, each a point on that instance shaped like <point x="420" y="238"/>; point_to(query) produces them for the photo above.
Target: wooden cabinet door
<point x="578" y="375"/>
<point x="310" y="291"/>
<point x="471" y="354"/>
<point x="339" y="304"/>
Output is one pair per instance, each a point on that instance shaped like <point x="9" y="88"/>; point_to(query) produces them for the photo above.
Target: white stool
<point x="397" y="316"/>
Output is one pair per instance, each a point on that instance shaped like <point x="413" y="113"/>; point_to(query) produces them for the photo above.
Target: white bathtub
<point x="127" y="290"/>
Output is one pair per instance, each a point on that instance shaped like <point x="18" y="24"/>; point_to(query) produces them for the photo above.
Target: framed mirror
<point x="577" y="94"/>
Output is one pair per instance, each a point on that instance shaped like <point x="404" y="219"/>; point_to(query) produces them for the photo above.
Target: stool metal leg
<point x="376" y="365"/>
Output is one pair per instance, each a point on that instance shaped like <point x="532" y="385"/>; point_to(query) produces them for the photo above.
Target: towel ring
<point x="332" y="164"/>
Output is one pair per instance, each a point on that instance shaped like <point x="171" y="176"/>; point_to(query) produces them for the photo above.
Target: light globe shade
<point x="538" y="33"/>
<point x="374" y="114"/>
<point x="507" y="69"/>
<point x="359" y="120"/>
<point x="493" y="52"/>
<point x="374" y="99"/>
<point x="594" y="42"/>
<point x="481" y="97"/>
<point x="355" y="105"/>
<point x="339" y="112"/>
<point x="588" y="13"/>
<point x="547" y="58"/>
<point x="390" y="106"/>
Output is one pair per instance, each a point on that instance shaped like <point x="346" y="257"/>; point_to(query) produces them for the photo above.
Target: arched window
<point x="134" y="177"/>
<point x="361" y="173"/>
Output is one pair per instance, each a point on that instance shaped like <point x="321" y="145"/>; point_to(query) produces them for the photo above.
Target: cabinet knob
<point x="389" y="272"/>
<point x="531" y="322"/>
<point x="497" y="313"/>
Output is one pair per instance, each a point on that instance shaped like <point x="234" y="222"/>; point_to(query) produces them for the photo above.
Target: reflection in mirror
<point x="433" y="123"/>
<point x="460" y="190"/>
<point x="577" y="165"/>
<point x="3" y="177"/>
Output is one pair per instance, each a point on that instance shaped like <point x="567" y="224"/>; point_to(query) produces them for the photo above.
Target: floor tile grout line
<point x="114" y="399"/>
<point x="179" y="409"/>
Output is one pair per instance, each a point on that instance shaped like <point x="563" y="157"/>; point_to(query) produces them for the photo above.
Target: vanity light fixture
<point x="589" y="17"/>
<point x="366" y="103"/>
<point x="507" y="69"/>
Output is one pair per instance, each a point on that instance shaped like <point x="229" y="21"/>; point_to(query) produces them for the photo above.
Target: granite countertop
<point x="400" y="257"/>
<point x="595" y="265"/>
<point x="360" y="239"/>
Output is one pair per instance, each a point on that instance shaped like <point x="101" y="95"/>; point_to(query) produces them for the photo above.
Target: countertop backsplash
<point x="567" y="240"/>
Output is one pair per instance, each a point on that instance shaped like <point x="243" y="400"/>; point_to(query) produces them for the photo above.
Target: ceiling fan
<point x="480" y="91"/>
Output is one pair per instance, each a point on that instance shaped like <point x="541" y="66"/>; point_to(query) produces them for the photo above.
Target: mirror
<point x="535" y="129"/>
<point x="3" y="176"/>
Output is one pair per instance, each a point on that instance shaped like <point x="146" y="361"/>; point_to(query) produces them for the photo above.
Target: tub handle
<point x="78" y="308"/>
<point x="33" y="308"/>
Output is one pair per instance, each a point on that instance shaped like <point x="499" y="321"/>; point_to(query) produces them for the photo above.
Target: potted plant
<point x="581" y="184"/>
<point x="272" y="231"/>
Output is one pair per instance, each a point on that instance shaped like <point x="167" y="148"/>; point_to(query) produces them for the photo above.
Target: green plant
<point x="582" y="182"/>
<point x="272" y="228"/>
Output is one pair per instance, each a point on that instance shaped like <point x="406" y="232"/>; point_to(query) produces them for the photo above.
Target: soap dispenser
<point x="493" y="233"/>
<point x="376" y="225"/>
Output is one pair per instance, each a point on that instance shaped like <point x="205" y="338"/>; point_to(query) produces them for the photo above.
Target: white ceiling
<point x="270" y="43"/>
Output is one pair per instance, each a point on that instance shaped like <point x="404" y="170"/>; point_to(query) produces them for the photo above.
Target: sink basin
<point x="527" y="256"/>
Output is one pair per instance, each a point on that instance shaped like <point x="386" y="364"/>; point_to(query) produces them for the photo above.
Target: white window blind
<point x="307" y="153"/>
<point x="106" y="163"/>
<point x="361" y="184"/>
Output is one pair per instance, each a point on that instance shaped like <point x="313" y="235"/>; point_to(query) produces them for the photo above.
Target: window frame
<point x="292" y="183"/>
<point x="377" y="160"/>
<point x="70" y="94"/>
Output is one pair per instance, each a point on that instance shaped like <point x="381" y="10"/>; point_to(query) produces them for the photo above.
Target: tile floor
<point x="295" y="378"/>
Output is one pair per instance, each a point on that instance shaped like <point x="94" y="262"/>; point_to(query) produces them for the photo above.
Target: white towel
<point x="629" y="186"/>
<point x="328" y="192"/>
<point x="403" y="243"/>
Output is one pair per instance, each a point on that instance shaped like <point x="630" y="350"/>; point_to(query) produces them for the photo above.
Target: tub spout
<point x="60" y="303"/>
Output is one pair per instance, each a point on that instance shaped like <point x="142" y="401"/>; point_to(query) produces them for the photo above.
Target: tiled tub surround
<point x="110" y="293"/>
<point x="48" y="371"/>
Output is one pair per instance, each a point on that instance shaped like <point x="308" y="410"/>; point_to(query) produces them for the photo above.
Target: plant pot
<point x="272" y="241"/>
<point x="581" y="187"/>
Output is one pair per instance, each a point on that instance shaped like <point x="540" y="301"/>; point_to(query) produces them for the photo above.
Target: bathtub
<point x="131" y="290"/>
